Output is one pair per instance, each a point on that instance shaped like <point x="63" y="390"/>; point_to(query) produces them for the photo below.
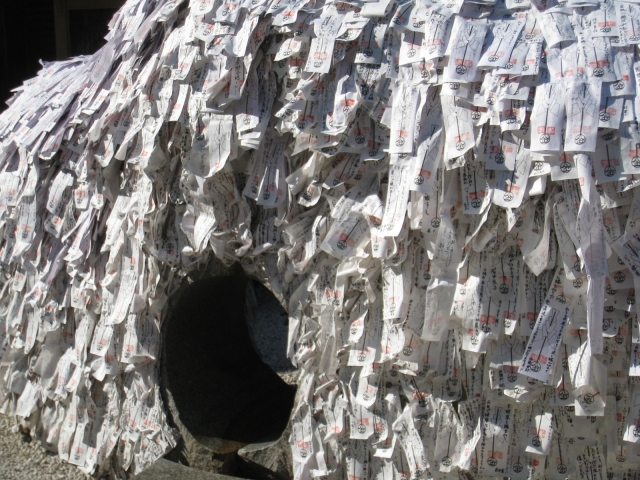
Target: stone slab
<point x="166" y="470"/>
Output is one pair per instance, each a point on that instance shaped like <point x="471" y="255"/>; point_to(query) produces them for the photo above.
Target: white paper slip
<point x="540" y="354"/>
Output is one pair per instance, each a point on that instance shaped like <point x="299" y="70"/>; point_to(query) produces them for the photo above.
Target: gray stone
<point x="166" y="470"/>
<point x="269" y="460"/>
<point x="268" y="324"/>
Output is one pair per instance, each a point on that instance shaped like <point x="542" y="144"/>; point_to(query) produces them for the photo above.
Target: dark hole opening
<point x="221" y="387"/>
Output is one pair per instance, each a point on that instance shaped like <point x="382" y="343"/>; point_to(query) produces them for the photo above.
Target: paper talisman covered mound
<point x="443" y="192"/>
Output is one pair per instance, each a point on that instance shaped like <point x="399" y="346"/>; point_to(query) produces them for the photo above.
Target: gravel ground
<point x="23" y="459"/>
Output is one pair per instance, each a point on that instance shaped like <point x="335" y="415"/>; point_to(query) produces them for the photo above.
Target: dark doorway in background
<point x="87" y="29"/>
<point x="27" y="34"/>
<point x="34" y="30"/>
<point x="81" y="25"/>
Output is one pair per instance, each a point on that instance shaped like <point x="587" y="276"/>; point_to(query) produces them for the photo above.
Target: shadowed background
<point x="33" y="30"/>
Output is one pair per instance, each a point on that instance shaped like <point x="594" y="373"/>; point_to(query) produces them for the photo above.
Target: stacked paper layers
<point x="442" y="191"/>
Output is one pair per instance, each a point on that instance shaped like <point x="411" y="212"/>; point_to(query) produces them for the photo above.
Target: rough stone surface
<point x="268" y="324"/>
<point x="270" y="460"/>
<point x="23" y="459"/>
<point x="166" y="470"/>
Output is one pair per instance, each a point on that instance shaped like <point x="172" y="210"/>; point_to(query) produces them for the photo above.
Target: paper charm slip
<point x="442" y="193"/>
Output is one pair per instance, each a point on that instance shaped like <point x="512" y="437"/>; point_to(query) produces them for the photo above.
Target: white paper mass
<point x="443" y="191"/>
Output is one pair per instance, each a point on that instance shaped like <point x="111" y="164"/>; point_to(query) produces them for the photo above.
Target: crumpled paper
<point x="443" y="192"/>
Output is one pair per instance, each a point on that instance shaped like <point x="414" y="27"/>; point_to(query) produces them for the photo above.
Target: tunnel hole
<point x="226" y="365"/>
